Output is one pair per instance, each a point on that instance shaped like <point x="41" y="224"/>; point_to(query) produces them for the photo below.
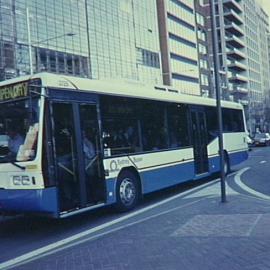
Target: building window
<point x="148" y="58"/>
<point x="204" y="80"/>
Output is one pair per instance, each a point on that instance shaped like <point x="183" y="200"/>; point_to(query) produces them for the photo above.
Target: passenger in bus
<point x="174" y="142"/>
<point x="88" y="147"/>
<point x="15" y="140"/>
<point x="131" y="139"/>
<point x="120" y="142"/>
<point x="91" y="164"/>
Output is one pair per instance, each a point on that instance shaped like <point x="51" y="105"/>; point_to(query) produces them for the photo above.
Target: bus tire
<point x="127" y="191"/>
<point x="227" y="168"/>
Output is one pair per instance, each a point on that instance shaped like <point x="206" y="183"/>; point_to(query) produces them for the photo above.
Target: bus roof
<point x="115" y="87"/>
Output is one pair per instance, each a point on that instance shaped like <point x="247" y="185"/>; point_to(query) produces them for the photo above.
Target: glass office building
<point x="124" y="39"/>
<point x="89" y="38"/>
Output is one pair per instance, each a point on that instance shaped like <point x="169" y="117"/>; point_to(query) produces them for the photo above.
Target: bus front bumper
<point x="41" y="201"/>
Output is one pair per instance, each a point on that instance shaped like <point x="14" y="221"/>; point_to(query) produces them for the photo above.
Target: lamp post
<point x="70" y="34"/>
<point x="219" y="111"/>
<point x="29" y="41"/>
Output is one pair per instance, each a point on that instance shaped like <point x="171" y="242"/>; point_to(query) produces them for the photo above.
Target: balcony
<point x="232" y="4"/>
<point x="234" y="29"/>
<point x="244" y="102"/>
<point x="235" y="42"/>
<point x="238" y="79"/>
<point x="233" y="16"/>
<point x="235" y="54"/>
<point x="237" y="66"/>
<point x="240" y="89"/>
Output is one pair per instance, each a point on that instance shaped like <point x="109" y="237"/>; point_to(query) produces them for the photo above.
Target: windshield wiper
<point x="7" y="160"/>
<point x="17" y="165"/>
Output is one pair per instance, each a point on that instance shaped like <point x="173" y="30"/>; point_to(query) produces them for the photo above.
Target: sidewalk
<point x="195" y="232"/>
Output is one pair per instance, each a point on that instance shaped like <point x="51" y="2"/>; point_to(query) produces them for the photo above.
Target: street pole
<point x="29" y="41"/>
<point x="88" y="40"/>
<point x="218" y="102"/>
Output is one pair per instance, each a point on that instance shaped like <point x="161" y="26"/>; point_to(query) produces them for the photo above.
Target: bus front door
<point x="79" y="169"/>
<point x="199" y="135"/>
<point x="92" y="162"/>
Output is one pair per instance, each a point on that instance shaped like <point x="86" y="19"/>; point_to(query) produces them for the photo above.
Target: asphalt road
<point x="21" y="235"/>
<point x="256" y="179"/>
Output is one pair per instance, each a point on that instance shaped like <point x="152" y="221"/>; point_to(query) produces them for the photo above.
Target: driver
<point x="15" y="140"/>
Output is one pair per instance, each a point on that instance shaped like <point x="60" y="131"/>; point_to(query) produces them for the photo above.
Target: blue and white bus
<point x="73" y="144"/>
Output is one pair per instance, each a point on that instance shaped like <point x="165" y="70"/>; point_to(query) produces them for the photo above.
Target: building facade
<point x="243" y="56"/>
<point x="267" y="94"/>
<point x="232" y="50"/>
<point x="256" y="29"/>
<point x="89" y="38"/>
<point x="263" y="29"/>
<point x="57" y="37"/>
<point x="178" y="43"/>
<point x="204" y="44"/>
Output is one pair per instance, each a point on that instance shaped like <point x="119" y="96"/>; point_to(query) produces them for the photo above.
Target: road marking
<point x="254" y="224"/>
<point x="263" y="161"/>
<point x="238" y="181"/>
<point x="96" y="236"/>
<point x="51" y="248"/>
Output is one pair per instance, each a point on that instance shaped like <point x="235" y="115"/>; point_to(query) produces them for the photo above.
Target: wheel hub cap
<point x="127" y="191"/>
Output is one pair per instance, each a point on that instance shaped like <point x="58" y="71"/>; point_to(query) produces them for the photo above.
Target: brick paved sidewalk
<point x="202" y="234"/>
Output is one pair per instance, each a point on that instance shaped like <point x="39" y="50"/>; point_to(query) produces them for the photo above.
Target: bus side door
<point x="199" y="139"/>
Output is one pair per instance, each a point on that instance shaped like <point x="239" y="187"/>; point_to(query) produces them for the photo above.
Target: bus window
<point x="232" y="120"/>
<point x="212" y="123"/>
<point x="154" y="129"/>
<point x="120" y="126"/>
<point x="237" y="121"/>
<point x="19" y="125"/>
<point x="177" y="125"/>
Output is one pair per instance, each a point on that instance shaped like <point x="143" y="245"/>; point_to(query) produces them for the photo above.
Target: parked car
<point x="261" y="139"/>
<point x="249" y="142"/>
<point x="4" y="140"/>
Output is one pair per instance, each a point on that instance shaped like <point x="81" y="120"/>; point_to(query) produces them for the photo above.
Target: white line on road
<point x="254" y="225"/>
<point x="32" y="255"/>
<point x="263" y="161"/>
<point x="239" y="182"/>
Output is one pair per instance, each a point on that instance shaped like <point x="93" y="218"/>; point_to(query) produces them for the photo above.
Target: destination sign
<point x="13" y="91"/>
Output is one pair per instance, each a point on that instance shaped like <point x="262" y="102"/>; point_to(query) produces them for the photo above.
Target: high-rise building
<point x="262" y="20"/>
<point x="267" y="93"/>
<point x="123" y="39"/>
<point x="231" y="49"/>
<point x="178" y="44"/>
<point x="90" y="38"/>
<point x="57" y="37"/>
<point x="256" y="29"/>
<point x="242" y="50"/>
<point x="204" y="43"/>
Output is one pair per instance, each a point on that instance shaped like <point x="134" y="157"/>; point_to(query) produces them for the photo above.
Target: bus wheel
<point x="227" y="168"/>
<point x="127" y="191"/>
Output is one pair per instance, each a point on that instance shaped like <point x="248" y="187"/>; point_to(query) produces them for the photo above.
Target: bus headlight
<point x="25" y="180"/>
<point x="17" y="180"/>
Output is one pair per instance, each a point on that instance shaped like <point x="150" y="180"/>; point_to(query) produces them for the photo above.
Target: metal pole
<point x="219" y="111"/>
<point x="29" y="41"/>
<point x="88" y="39"/>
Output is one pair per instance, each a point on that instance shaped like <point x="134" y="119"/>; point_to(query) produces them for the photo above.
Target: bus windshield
<point x="19" y="129"/>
